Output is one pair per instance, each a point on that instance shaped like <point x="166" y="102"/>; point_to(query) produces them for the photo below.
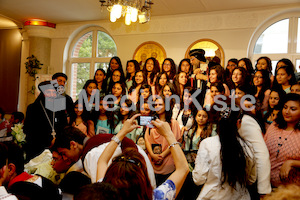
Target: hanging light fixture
<point x="130" y="9"/>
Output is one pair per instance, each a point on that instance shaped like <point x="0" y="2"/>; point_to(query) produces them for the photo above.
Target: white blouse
<point x="208" y="171"/>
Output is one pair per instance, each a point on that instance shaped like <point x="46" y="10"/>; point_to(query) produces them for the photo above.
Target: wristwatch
<point x="116" y="139"/>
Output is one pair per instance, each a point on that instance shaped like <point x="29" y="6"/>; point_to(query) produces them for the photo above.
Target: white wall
<point x="231" y="29"/>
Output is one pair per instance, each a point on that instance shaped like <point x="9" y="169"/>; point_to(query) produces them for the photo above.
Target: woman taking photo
<point x="128" y="173"/>
<point x="163" y="163"/>
<point x="283" y="141"/>
<point x="225" y="162"/>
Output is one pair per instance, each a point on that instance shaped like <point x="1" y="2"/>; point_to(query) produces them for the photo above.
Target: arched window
<point x="90" y="50"/>
<point x="277" y="38"/>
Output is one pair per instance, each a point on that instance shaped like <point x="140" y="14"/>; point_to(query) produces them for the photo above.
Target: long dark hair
<point x="245" y="77"/>
<point x="169" y="112"/>
<point x="136" y="67"/>
<point x="111" y="118"/>
<point x="280" y="122"/>
<point x="290" y="72"/>
<point x="206" y="132"/>
<point x="128" y="173"/>
<point x="269" y="63"/>
<point x="233" y="156"/>
<point x="191" y="91"/>
<point x="172" y="88"/>
<point x="172" y="70"/>
<point x="189" y="62"/>
<point x="287" y="62"/>
<point x="248" y="64"/>
<point x="111" y="82"/>
<point x="158" y="87"/>
<point x="123" y="86"/>
<point x="227" y="72"/>
<point x="281" y="95"/>
<point x="109" y="71"/>
<point x="89" y="82"/>
<point x="220" y="72"/>
<point x="73" y="116"/>
<point x="265" y="86"/>
<point x="177" y="84"/>
<point x="134" y="84"/>
<point x="156" y="68"/>
<point x="104" y="83"/>
<point x="129" y="103"/>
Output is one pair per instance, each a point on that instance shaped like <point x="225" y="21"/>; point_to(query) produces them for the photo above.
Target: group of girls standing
<point x="191" y="126"/>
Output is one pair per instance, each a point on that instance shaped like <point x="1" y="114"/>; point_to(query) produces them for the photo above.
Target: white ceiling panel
<point x="62" y="11"/>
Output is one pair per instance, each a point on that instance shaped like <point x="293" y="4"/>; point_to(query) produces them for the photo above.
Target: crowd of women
<point x="232" y="153"/>
<point x="236" y="155"/>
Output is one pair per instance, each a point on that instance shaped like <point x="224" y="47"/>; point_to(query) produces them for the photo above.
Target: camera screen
<point x="145" y="120"/>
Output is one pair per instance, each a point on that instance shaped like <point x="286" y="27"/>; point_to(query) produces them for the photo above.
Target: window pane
<point x="274" y="63"/>
<point x="274" y="39"/>
<point x="103" y="66"/>
<point x="80" y="74"/>
<point x="298" y="37"/>
<point x="83" y="47"/>
<point x="106" y="47"/>
<point x="297" y="65"/>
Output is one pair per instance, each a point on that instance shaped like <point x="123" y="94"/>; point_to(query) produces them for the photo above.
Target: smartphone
<point x="145" y="121"/>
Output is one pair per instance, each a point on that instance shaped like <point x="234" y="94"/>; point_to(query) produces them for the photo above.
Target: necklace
<point x="52" y="125"/>
<point x="280" y="142"/>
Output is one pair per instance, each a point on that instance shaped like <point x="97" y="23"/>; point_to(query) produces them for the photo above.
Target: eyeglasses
<point x="193" y="58"/>
<point x="167" y="64"/>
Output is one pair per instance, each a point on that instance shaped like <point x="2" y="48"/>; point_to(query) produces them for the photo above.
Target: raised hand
<point x="130" y="124"/>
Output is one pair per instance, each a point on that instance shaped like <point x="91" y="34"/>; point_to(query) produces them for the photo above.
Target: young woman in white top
<point x="225" y="163"/>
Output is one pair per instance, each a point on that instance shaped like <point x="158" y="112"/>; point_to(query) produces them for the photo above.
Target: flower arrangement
<point x="18" y="134"/>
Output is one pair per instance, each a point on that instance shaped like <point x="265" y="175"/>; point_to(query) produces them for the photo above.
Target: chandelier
<point x="132" y="10"/>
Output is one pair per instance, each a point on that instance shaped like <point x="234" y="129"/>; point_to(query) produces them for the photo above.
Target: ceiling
<point x="64" y="11"/>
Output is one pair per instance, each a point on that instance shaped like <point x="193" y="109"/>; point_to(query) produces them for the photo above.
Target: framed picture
<point x="213" y="50"/>
<point x="147" y="50"/>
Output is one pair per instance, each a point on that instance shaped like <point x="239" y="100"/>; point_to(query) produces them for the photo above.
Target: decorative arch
<point x="147" y="49"/>
<point x="293" y="16"/>
<point x="209" y="46"/>
<point x="80" y="68"/>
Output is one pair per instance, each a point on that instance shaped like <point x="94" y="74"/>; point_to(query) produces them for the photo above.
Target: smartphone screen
<point x="145" y="121"/>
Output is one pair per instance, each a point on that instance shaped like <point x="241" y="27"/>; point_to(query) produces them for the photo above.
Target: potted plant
<point x="32" y="65"/>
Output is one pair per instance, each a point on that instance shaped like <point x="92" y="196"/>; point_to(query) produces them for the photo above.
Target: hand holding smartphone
<point x="146" y="121"/>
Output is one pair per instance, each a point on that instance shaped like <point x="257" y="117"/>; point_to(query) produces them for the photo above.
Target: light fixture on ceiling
<point x="131" y="9"/>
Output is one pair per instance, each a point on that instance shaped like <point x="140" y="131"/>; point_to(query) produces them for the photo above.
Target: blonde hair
<point x="283" y="192"/>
